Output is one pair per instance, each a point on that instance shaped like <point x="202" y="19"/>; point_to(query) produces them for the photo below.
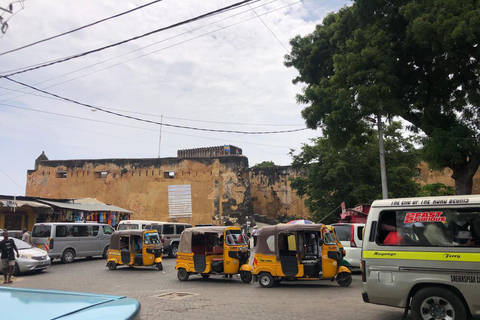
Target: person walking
<point x="26" y="236"/>
<point x="8" y="257"/>
<point x="255" y="234"/>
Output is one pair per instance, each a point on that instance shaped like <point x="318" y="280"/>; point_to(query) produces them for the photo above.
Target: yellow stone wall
<point x="427" y="176"/>
<point x="272" y="195"/>
<point x="219" y="185"/>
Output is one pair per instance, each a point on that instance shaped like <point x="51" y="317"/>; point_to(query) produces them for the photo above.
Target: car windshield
<point x="152" y="238"/>
<point x="21" y="244"/>
<point x="41" y="231"/>
<point x="126" y="226"/>
<point x="343" y="232"/>
<point x="235" y="238"/>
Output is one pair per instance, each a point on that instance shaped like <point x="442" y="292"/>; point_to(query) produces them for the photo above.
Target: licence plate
<point x="43" y="262"/>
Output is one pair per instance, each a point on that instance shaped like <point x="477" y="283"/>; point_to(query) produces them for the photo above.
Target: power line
<point x="156" y="51"/>
<point x="270" y="31"/>
<point x="124" y="125"/>
<point x="150" y="121"/>
<point x="203" y="16"/>
<point x="80" y="28"/>
<point x="12" y="180"/>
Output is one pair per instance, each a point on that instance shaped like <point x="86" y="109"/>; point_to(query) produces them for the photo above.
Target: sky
<point x="224" y="72"/>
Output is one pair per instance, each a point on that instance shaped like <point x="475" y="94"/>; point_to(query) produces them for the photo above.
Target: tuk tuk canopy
<point x="185" y="245"/>
<point x="267" y="236"/>
<point x="115" y="238"/>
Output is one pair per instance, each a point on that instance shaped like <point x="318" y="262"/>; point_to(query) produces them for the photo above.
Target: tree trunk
<point x="463" y="175"/>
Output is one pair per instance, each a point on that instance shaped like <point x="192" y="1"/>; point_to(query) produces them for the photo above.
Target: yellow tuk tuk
<point x="135" y="248"/>
<point x="213" y="251"/>
<point x="294" y="251"/>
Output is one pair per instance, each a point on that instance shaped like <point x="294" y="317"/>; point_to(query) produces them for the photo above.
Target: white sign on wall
<point x="180" y="201"/>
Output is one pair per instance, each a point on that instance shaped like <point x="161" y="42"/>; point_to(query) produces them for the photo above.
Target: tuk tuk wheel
<point x="265" y="280"/>
<point x="182" y="274"/>
<point x="112" y="265"/>
<point x="159" y="266"/>
<point x="246" y="276"/>
<point x="205" y="275"/>
<point x="344" y="279"/>
<point x="436" y="302"/>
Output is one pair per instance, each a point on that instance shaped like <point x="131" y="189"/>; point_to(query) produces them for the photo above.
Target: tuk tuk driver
<point x="139" y="244"/>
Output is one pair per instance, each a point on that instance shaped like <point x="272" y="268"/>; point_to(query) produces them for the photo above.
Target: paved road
<point x="214" y="298"/>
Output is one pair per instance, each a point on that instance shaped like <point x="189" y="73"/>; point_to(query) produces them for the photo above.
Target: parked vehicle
<point x="295" y="251"/>
<point x="13" y="234"/>
<point x="213" y="251"/>
<point x="67" y="240"/>
<point x="135" y="248"/>
<point x="351" y="236"/>
<point x="31" y="258"/>
<point x="21" y="304"/>
<point x="423" y="254"/>
<point x="169" y="232"/>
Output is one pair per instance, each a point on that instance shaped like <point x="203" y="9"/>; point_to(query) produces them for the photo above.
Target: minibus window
<point x="107" y="230"/>
<point x="429" y="227"/>
<point x="180" y="228"/>
<point x="168" y="229"/>
<point x="41" y="231"/>
<point x="125" y="226"/>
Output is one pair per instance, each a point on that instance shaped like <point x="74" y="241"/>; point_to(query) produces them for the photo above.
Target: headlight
<point x="25" y="256"/>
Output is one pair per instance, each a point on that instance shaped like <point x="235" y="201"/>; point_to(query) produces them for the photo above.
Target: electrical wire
<point x="266" y="26"/>
<point x="126" y="126"/>
<point x="203" y="16"/>
<point x="141" y="56"/>
<point x="150" y="121"/>
<point x="80" y="28"/>
<point x="158" y="116"/>
<point x="11" y="179"/>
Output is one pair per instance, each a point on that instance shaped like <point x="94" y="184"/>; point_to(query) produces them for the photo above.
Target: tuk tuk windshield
<point x="235" y="238"/>
<point x="151" y="238"/>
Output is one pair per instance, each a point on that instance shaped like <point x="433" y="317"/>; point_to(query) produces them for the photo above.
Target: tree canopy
<point x="351" y="173"/>
<point x="417" y="60"/>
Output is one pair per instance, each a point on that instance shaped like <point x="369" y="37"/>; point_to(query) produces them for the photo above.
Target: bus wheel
<point x="111" y="265"/>
<point x="437" y="303"/>
<point x="265" y="280"/>
<point x="182" y="274"/>
<point x="344" y="279"/>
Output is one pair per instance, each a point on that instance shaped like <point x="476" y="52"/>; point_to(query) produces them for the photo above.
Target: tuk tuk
<point x="303" y="252"/>
<point x="213" y="251"/>
<point x="340" y="246"/>
<point x="135" y="248"/>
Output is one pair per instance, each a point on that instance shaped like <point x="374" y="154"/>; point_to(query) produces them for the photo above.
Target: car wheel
<point x="344" y="279"/>
<point x="437" y="303"/>
<point x="182" y="274"/>
<point x="105" y="252"/>
<point x="265" y="280"/>
<point x="16" y="271"/>
<point x="68" y="256"/>
<point x="246" y="276"/>
<point x="111" y="265"/>
<point x="172" y="253"/>
<point x="159" y="266"/>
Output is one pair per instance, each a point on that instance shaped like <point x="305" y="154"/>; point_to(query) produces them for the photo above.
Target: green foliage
<point x="418" y="60"/>
<point x="264" y="164"/>
<point x="352" y="173"/>
<point x="436" y="189"/>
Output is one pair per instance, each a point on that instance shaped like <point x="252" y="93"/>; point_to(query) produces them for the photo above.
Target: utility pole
<point x="383" y="170"/>
<point x="160" y="138"/>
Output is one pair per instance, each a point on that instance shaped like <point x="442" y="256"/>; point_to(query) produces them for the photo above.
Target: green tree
<point x="418" y="60"/>
<point x="264" y="164"/>
<point x="436" y="189"/>
<point x="351" y="173"/>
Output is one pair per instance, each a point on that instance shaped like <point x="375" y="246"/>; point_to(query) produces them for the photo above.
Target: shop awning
<point x="22" y="203"/>
<point x="94" y="207"/>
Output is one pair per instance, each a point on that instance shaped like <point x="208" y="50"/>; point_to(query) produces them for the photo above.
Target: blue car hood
<point x="25" y="304"/>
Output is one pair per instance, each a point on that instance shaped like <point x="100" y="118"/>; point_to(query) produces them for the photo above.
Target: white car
<point x="350" y="236"/>
<point x="31" y="258"/>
